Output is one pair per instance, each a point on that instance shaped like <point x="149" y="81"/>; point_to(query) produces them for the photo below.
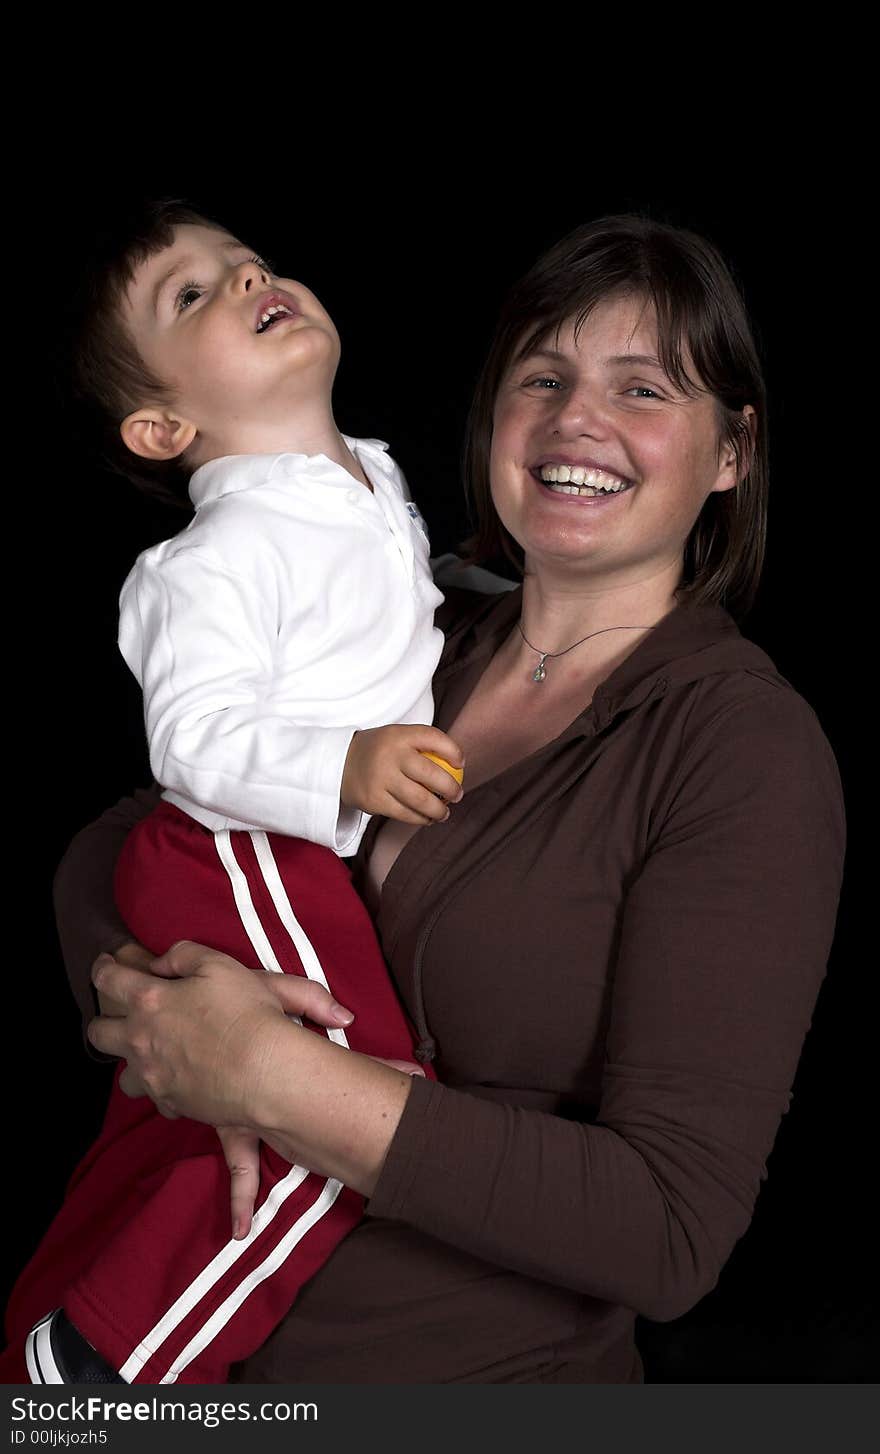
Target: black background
<point x="411" y="253"/>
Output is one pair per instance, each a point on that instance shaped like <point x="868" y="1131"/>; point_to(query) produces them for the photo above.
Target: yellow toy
<point x="456" y="772"/>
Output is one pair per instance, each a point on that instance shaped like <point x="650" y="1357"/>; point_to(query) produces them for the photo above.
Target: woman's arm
<point x="85" y="911"/>
<point x="210" y="1039"/>
<point x="724" y="942"/>
<point x="710" y="1007"/>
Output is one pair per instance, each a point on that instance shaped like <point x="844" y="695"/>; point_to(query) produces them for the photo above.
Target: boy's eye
<point x="193" y="287"/>
<point x="181" y="294"/>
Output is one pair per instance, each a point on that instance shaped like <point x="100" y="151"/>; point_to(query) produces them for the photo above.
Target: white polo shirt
<point x="295" y="609"/>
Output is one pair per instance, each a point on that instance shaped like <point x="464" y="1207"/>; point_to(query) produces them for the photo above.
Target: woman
<point x="613" y="947"/>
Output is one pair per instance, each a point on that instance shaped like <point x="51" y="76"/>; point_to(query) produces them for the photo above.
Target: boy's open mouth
<point x="273" y="308"/>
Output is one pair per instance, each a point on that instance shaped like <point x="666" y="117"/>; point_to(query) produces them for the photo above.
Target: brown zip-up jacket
<point x="613" y="951"/>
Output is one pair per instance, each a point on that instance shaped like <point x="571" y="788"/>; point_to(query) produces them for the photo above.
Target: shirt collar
<point x="692" y="641"/>
<point x="234" y="472"/>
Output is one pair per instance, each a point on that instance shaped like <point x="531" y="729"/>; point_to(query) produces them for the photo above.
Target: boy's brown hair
<point x="108" y="377"/>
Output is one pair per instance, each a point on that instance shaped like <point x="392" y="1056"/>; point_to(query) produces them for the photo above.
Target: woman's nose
<point x="580" y="411"/>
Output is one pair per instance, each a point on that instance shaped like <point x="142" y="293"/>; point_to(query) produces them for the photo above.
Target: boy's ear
<point x="153" y="434"/>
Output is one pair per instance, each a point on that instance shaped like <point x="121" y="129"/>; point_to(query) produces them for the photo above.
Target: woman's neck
<point x="560" y="610"/>
<point x="559" y="607"/>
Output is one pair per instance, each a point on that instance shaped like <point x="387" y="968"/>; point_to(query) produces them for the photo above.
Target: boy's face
<point x="237" y="390"/>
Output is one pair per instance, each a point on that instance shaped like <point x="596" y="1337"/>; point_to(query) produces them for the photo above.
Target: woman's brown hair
<point x="699" y="310"/>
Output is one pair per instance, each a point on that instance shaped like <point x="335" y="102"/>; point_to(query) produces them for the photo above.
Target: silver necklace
<point x="540" y="671"/>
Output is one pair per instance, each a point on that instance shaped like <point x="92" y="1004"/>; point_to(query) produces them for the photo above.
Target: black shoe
<point x="57" y="1352"/>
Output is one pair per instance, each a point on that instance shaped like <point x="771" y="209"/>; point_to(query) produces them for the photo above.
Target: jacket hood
<point x="691" y="642"/>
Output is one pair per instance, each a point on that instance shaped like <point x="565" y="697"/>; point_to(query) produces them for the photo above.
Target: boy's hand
<point x="387" y="774"/>
<point x="241" y="1150"/>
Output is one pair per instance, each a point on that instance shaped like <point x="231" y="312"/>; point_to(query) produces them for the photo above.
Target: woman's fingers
<point x="131" y="1084"/>
<point x="128" y="990"/>
<point x="303" y="997"/>
<point x="109" y="1034"/>
<point x="134" y="954"/>
<point x="241" y="1150"/>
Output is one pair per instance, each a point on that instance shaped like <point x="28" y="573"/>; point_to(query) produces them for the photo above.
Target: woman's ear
<point x="729" y="474"/>
<point x="751" y="420"/>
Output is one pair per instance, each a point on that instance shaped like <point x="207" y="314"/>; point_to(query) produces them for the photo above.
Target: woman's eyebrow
<point x="617" y="360"/>
<point x="625" y="360"/>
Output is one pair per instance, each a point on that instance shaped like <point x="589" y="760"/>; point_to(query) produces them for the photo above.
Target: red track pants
<point x="141" y="1255"/>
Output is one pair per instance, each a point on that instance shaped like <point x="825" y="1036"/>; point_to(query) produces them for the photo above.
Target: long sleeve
<point x="87" y="919"/>
<point x="85" y="911"/>
<point x="201" y="640"/>
<point x="723" y="945"/>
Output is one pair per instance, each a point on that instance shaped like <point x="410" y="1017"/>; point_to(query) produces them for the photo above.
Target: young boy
<point x="275" y="638"/>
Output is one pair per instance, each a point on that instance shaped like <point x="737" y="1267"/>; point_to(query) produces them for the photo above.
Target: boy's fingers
<point x="422" y="770"/>
<point x="241" y="1151"/>
<point x="392" y="808"/>
<point x="410" y="803"/>
<point x="408" y="1067"/>
<point x="431" y="739"/>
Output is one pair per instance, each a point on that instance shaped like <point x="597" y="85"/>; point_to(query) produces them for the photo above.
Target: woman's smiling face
<point x="602" y="404"/>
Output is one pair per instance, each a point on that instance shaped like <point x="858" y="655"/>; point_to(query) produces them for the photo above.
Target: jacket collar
<point x="691" y="642"/>
<point x="234" y="472"/>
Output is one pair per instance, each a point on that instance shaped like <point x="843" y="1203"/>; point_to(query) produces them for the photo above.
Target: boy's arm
<point x="201" y="640"/>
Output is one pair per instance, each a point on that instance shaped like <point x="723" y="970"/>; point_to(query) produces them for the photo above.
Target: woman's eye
<point x="643" y="391"/>
<point x="553" y="383"/>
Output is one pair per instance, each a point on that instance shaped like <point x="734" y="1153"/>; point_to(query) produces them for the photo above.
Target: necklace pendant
<point x="540" y="671"/>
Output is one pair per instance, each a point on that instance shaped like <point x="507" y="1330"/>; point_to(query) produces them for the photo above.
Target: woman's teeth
<point x="573" y="480"/>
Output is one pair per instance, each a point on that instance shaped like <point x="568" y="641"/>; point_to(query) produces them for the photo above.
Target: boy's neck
<point x="325" y="440"/>
<point x="331" y="443"/>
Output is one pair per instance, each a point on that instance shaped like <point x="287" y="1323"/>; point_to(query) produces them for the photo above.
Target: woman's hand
<point x="135" y="956"/>
<point x="196" y="1027"/>
<point x="241" y="1152"/>
<point x="205" y="1037"/>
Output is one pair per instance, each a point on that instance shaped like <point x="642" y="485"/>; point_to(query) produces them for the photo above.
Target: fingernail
<point x="341" y="1013"/>
<point x="418" y="1071"/>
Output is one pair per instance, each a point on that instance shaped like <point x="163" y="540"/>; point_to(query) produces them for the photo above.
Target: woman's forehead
<point x="629" y="323"/>
<point x="618" y="330"/>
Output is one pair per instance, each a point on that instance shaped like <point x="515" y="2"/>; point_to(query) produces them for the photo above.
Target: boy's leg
<point x="168" y="1293"/>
